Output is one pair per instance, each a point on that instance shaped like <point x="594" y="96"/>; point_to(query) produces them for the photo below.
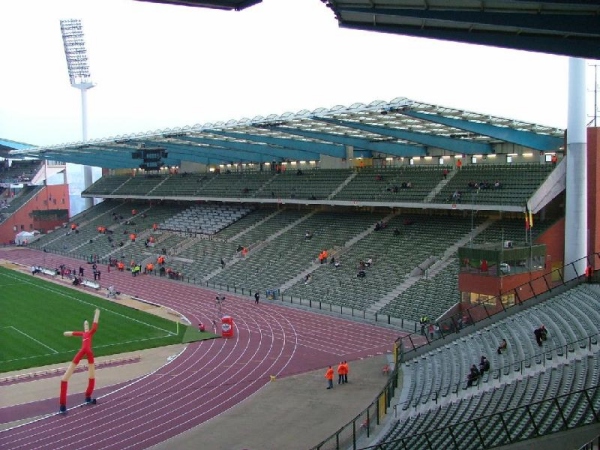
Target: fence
<point x="561" y="413"/>
<point x="561" y="278"/>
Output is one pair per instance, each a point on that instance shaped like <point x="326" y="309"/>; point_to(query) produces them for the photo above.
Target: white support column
<point x="576" y="231"/>
<point x="87" y="170"/>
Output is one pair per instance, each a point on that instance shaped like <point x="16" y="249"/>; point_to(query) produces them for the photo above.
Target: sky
<point x="161" y="66"/>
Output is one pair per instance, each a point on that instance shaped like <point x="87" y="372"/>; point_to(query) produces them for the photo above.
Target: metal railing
<point x="560" y="278"/>
<point x="542" y="418"/>
<point x="348" y="435"/>
<point x="507" y="369"/>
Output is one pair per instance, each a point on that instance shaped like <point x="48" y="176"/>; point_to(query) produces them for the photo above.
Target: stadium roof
<point x="401" y="127"/>
<point x="215" y="4"/>
<point x="6" y="146"/>
<point x="563" y="27"/>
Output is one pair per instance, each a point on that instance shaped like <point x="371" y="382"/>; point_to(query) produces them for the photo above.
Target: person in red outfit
<point x="84" y="351"/>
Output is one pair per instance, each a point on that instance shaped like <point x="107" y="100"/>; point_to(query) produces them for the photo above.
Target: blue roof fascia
<point x="334" y="150"/>
<point x="259" y="149"/>
<point x="569" y="24"/>
<point x="192" y="153"/>
<point x="391" y="148"/>
<point x="204" y="154"/>
<point x="446" y="143"/>
<point x="15" y="145"/>
<point x="542" y="142"/>
<point x="73" y="158"/>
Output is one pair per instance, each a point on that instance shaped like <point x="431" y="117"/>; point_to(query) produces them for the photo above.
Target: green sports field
<point x="34" y="314"/>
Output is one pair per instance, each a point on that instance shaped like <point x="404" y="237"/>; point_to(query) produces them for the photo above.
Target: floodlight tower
<point x="79" y="76"/>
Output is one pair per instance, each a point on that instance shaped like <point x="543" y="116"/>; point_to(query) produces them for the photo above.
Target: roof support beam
<point x="527" y="139"/>
<point x="390" y="148"/>
<point x="443" y="142"/>
<point x="124" y="152"/>
<point x="109" y="163"/>
<point x="202" y="155"/>
<point x="337" y="151"/>
<point x="257" y="150"/>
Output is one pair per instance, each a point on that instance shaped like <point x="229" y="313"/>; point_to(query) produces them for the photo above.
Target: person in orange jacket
<point x="346" y="370"/>
<point x="329" y="376"/>
<point x="340" y="371"/>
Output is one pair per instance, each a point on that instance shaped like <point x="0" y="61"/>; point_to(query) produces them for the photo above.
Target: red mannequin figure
<point x="85" y="350"/>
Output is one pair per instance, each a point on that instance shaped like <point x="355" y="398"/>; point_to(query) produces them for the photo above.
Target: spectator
<point x="484" y="365"/>
<point x="473" y="375"/>
<point x="503" y="346"/>
<point x="423" y="321"/>
<point x="541" y="334"/>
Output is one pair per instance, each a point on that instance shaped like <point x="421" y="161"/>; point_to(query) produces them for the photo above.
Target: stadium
<point x="407" y="238"/>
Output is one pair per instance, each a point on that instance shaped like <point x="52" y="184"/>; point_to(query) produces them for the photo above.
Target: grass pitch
<point x="34" y="314"/>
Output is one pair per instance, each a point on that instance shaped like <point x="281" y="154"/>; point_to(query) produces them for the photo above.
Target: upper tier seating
<point x="391" y="185"/>
<point x="517" y="183"/>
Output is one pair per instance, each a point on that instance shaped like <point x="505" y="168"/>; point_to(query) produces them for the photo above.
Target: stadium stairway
<point x="436" y="190"/>
<point x="342" y="186"/>
<point x="263" y="243"/>
<point x="434" y="268"/>
<point x="368" y="231"/>
<point x="260" y="222"/>
<point x="314" y="266"/>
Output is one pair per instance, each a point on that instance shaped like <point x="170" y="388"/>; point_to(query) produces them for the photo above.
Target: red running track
<point x="208" y="377"/>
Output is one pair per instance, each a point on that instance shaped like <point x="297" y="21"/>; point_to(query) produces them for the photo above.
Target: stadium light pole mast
<point x="79" y="76"/>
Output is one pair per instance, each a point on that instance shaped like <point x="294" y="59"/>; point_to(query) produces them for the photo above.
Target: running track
<point x="207" y="378"/>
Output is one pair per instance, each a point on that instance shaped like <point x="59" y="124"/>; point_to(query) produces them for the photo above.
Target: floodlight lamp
<point x="76" y="54"/>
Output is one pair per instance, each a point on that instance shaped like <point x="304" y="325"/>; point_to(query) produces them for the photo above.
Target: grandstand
<point x="393" y="228"/>
<point x="363" y="160"/>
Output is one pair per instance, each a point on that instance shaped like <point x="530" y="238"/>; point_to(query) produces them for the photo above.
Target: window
<point x="476" y="298"/>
